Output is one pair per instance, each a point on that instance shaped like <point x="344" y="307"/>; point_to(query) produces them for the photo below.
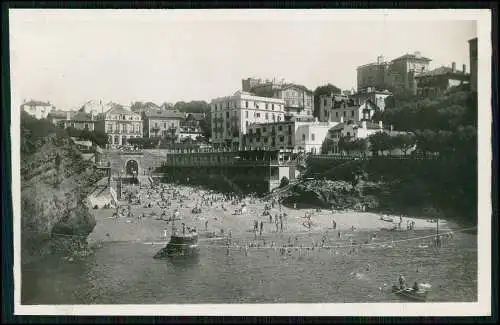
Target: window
<point x="165" y="125"/>
<point x="336" y="114"/>
<point x="352" y="113"/>
<point x="282" y="139"/>
<point x="256" y="104"/>
<point x="267" y="116"/>
<point x="246" y="104"/>
<point x="257" y="114"/>
<point x="227" y="114"/>
<point x="267" y="106"/>
<point x="246" y="114"/>
<point x="272" y="107"/>
<point x="324" y="102"/>
<point x="345" y="113"/>
<point x="274" y="117"/>
<point x="312" y="136"/>
<point x="280" y="128"/>
<point x="264" y="130"/>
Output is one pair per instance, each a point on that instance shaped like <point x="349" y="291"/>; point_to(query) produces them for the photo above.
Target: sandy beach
<point x="222" y="218"/>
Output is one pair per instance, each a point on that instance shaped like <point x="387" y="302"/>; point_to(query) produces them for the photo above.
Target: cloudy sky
<point x="123" y="56"/>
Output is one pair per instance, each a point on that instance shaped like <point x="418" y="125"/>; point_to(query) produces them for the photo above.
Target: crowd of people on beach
<point x="170" y="199"/>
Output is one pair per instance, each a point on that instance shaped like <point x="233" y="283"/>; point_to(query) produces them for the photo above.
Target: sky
<point x="70" y="57"/>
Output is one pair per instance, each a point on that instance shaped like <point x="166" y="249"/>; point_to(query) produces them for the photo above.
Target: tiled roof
<point x="119" y="110"/>
<point x="290" y="85"/>
<point x="36" y="103"/>
<point x="412" y="57"/>
<point x="163" y="114"/>
<point x="82" y="116"/>
<point x="337" y="127"/>
<point x="61" y="114"/>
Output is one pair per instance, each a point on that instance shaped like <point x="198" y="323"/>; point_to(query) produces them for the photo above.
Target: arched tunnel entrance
<point x="132" y="168"/>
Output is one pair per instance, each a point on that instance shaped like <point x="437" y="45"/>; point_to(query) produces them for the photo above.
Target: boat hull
<point x="410" y="293"/>
<point x="179" y="246"/>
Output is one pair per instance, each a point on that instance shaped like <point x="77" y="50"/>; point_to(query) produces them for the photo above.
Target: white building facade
<point x="232" y="115"/>
<point x="120" y="125"/>
<point x="295" y="136"/>
<point x="355" y="108"/>
<point x="37" y="109"/>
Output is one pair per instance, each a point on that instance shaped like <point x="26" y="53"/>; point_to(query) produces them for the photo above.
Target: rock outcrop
<point x="55" y="182"/>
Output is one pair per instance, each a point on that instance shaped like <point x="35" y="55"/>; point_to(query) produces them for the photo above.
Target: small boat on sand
<point x="386" y="218"/>
<point x="410" y="293"/>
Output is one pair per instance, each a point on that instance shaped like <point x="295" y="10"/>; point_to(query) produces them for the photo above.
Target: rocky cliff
<point x="55" y="182"/>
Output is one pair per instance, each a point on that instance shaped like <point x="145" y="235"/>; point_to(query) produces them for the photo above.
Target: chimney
<point x="380" y="124"/>
<point x="363" y="124"/>
<point x="341" y="119"/>
<point x="463" y="68"/>
<point x="453" y="67"/>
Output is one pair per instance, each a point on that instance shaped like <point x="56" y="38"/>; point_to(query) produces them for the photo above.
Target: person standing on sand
<point x="261" y="228"/>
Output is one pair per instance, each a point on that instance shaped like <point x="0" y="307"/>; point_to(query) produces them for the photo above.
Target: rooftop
<point x="61" y="114"/>
<point x="152" y="113"/>
<point x="415" y="56"/>
<point x="441" y="71"/>
<point x="37" y="103"/>
<point x="119" y="110"/>
<point x="81" y="116"/>
<point x="292" y="85"/>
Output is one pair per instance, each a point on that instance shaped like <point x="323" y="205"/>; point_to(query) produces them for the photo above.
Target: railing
<point x="359" y="157"/>
<point x="103" y="165"/>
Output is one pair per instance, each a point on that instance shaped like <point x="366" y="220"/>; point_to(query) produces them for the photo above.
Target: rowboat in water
<point x="410" y="293"/>
<point x="181" y="244"/>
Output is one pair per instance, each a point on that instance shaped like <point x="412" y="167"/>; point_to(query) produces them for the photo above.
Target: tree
<point x="284" y="182"/>
<point x="206" y="126"/>
<point x="195" y="106"/>
<point x="359" y="145"/>
<point x="345" y="144"/>
<point x="404" y="142"/>
<point x="379" y="142"/>
<point x="327" y="146"/>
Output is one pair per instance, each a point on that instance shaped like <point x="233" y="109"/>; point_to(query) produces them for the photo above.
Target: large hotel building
<point x="232" y="115"/>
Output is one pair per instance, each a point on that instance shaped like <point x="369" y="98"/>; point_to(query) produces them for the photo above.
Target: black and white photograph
<point x="251" y="162"/>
